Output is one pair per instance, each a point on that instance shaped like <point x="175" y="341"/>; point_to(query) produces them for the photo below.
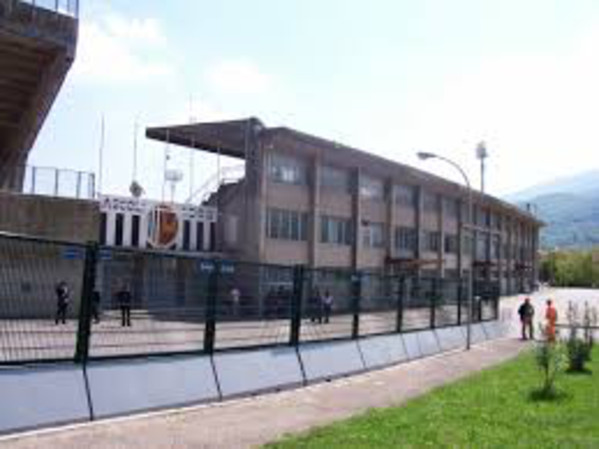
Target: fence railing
<point x="64" y="7"/>
<point x="53" y="20"/>
<point x="51" y="181"/>
<point x="63" y="301"/>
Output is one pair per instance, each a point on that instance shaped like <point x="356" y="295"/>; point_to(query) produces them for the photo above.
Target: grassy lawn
<point x="493" y="409"/>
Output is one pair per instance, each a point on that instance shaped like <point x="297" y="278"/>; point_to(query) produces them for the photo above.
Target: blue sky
<point x="389" y="77"/>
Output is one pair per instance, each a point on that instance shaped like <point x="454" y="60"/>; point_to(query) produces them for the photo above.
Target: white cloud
<point x="238" y="76"/>
<point x="536" y="112"/>
<point x="114" y="49"/>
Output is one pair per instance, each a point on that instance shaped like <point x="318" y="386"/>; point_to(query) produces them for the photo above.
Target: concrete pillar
<point x="418" y="216"/>
<point x="314" y="212"/>
<point x="441" y="229"/>
<point x="357" y="215"/>
<point x="390" y="222"/>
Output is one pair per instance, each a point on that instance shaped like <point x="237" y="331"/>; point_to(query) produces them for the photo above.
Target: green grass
<point x="492" y="409"/>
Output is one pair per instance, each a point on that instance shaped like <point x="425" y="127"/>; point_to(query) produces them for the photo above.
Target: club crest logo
<point x="163" y="227"/>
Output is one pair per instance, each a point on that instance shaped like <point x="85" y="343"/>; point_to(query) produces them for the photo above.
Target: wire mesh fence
<point x="40" y="291"/>
<point x="148" y="303"/>
<point x="327" y="305"/>
<point x="61" y="301"/>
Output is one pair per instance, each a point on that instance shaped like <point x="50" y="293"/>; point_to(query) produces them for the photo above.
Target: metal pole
<point x="296" y="305"/>
<point x="470" y="274"/>
<point x="464" y="226"/>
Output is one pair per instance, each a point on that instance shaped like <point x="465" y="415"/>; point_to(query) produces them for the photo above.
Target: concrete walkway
<point x="252" y="422"/>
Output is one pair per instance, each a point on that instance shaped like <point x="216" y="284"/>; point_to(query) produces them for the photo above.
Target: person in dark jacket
<point x="527" y="313"/>
<point x="123" y="297"/>
<point x="96" y="306"/>
<point x="62" y="302"/>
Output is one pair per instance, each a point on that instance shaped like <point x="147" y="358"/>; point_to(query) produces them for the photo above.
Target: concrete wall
<point x="55" y="218"/>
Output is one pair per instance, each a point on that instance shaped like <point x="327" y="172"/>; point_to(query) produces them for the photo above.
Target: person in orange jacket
<point x="551" y="317"/>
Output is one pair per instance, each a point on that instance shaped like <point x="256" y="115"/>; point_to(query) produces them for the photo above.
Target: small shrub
<point x="550" y="359"/>
<point x="579" y="348"/>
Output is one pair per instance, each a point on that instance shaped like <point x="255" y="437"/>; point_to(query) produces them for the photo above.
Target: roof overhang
<point x="228" y="138"/>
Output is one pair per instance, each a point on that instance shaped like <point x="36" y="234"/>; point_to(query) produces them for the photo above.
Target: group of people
<point x="526" y="311"/>
<point x="320" y="306"/>
<point x="63" y="294"/>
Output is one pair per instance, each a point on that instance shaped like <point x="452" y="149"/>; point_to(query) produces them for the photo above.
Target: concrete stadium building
<point x="307" y="200"/>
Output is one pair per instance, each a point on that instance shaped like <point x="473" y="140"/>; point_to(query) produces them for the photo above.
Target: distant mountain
<point x="569" y="207"/>
<point x="586" y="182"/>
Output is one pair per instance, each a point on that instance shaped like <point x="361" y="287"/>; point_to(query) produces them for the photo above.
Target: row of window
<point x="292" y="225"/>
<point x="291" y="170"/>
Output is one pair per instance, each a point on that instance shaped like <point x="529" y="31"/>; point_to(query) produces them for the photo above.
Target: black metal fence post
<point x="85" y="306"/>
<point x="356" y="296"/>
<point x="460" y="297"/>
<point x="401" y="288"/>
<point x="296" y="305"/>
<point x="210" y="327"/>
<point x="433" y="302"/>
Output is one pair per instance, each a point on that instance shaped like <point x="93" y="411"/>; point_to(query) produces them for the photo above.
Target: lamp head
<point x="423" y="155"/>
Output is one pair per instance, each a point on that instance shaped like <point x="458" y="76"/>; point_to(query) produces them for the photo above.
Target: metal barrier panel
<point x="378" y="304"/>
<point x="328" y="360"/>
<point x="382" y="350"/>
<point x="255" y="371"/>
<point x="34" y="397"/>
<point x="320" y="321"/>
<point x="127" y="386"/>
<point x="447" y="302"/>
<point x="148" y="303"/>
<point x="40" y="292"/>
<point x="253" y="305"/>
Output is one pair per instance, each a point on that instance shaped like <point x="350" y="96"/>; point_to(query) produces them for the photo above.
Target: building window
<point x="118" y="229"/>
<point x="451" y="273"/>
<point x="495" y="248"/>
<point x="468" y="243"/>
<point x="430" y="202"/>
<point x="372" y="235"/>
<point x="482" y="247"/>
<point x="431" y="241"/>
<point x="135" y="231"/>
<point x="451" y="208"/>
<point x="371" y="188"/>
<point x="286" y="224"/>
<point x="332" y="178"/>
<point x="482" y="217"/>
<point x="451" y="244"/>
<point x="335" y="230"/>
<point x="405" y="238"/>
<point x="405" y="195"/>
<point x="286" y="169"/>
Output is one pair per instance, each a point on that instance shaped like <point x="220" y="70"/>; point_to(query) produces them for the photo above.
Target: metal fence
<point x="128" y="303"/>
<point x="64" y="7"/>
<point x="51" y="181"/>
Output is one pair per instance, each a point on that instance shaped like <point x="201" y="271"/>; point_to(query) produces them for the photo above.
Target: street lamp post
<point x="424" y="156"/>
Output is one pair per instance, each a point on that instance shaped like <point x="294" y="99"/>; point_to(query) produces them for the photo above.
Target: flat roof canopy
<point x="228" y="138"/>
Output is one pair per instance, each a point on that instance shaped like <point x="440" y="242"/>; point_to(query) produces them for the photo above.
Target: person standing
<point x="96" y="306"/>
<point x="62" y="302"/>
<point x="315" y="305"/>
<point x="124" y="300"/>
<point x="527" y="313"/>
<point x="235" y="299"/>
<point x="328" y="305"/>
<point x="551" y="317"/>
